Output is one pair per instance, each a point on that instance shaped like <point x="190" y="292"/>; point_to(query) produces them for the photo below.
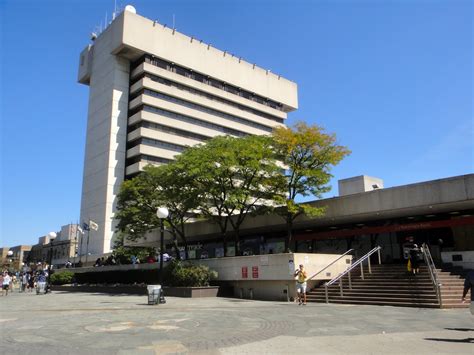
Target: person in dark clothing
<point x="415" y="263"/>
<point x="469" y="285"/>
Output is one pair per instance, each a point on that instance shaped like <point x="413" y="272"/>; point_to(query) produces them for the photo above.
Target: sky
<point x="392" y="79"/>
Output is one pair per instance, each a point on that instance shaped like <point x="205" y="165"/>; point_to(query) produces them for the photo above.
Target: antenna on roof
<point x="115" y="10"/>
<point x="174" y="26"/>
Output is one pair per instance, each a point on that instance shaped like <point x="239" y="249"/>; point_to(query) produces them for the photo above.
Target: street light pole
<point x="51" y="235"/>
<point x="162" y="213"/>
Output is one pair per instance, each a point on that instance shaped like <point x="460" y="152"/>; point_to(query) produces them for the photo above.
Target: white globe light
<point x="162" y="212"/>
<point x="52" y="235"/>
<point x="10" y="253"/>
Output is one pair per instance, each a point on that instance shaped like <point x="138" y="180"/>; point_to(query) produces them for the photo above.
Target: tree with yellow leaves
<point x="308" y="154"/>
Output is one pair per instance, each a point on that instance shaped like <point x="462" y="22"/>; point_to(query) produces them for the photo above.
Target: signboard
<point x="245" y="272"/>
<point x="291" y="267"/>
<point x="255" y="272"/>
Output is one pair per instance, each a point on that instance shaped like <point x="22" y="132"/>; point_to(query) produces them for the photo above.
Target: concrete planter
<point x="191" y="292"/>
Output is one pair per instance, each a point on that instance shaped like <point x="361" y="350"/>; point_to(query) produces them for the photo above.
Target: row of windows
<point x="187" y="119"/>
<point x="166" y="129"/>
<point x="189" y="73"/>
<point x="205" y="109"/>
<point x="156" y="143"/>
<point x="206" y="95"/>
<point x="147" y="158"/>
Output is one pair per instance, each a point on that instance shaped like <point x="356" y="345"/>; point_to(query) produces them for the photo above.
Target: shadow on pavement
<point x="467" y="340"/>
<point x="461" y="329"/>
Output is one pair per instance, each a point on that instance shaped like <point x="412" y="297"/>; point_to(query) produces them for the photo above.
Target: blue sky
<point x="393" y="80"/>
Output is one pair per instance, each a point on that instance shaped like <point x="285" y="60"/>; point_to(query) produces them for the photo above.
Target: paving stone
<point x="87" y="323"/>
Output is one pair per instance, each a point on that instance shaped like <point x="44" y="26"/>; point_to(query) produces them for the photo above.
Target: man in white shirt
<point x="6" y="283"/>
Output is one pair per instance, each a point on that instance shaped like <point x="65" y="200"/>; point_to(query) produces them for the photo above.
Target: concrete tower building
<point x="154" y="91"/>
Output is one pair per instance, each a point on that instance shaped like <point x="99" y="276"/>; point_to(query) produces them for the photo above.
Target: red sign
<point x="255" y="272"/>
<point x="245" y="272"/>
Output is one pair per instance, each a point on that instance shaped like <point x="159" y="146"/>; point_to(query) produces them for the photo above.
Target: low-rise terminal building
<point x="439" y="213"/>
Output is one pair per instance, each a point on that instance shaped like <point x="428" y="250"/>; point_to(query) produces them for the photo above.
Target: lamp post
<point x="162" y="213"/>
<point x="10" y="258"/>
<point x="51" y="235"/>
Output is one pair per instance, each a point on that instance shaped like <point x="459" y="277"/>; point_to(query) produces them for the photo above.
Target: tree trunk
<point x="185" y="242"/>
<point x="289" y="232"/>
<point x="237" y="243"/>
<point x="176" y="247"/>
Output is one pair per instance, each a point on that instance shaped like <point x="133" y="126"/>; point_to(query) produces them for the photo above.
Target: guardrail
<point x="349" y="269"/>
<point x="425" y="250"/>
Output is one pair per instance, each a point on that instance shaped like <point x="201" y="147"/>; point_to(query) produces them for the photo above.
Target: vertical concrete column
<point x="104" y="162"/>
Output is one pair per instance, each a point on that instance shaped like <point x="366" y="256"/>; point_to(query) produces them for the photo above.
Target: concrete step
<point x="461" y="305"/>
<point x="393" y="285"/>
<point x="378" y="290"/>
<point x="382" y="303"/>
<point x="386" y="287"/>
<point x="379" y="296"/>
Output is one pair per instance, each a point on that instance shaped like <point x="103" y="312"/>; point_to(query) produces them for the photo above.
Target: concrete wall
<point x="359" y="184"/>
<point x="437" y="196"/>
<point x="134" y="32"/>
<point x="270" y="277"/>
<point x="104" y="163"/>
<point x="467" y="261"/>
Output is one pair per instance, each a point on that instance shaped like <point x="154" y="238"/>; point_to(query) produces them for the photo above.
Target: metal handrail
<point x="349" y="269"/>
<point x="432" y="269"/>
<point x="328" y="265"/>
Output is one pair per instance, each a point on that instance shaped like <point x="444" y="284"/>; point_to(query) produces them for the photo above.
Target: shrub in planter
<point x="182" y="274"/>
<point x="62" y="277"/>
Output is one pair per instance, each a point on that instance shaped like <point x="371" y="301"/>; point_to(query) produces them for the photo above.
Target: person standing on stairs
<point x="415" y="263"/>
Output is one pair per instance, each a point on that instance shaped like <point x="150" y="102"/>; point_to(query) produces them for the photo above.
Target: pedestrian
<point x="98" y="262"/>
<point x="7" y="281"/>
<point x="469" y="285"/>
<point x="415" y="263"/>
<point x="31" y="281"/>
<point x="301" y="284"/>
<point x="41" y="283"/>
<point x="24" y="281"/>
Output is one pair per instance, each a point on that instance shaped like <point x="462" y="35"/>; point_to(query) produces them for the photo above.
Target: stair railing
<point x="425" y="250"/>
<point x="330" y="264"/>
<point x="347" y="272"/>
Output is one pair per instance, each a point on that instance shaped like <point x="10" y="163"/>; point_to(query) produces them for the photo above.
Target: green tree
<point x="308" y="154"/>
<point x="138" y="199"/>
<point x="235" y="177"/>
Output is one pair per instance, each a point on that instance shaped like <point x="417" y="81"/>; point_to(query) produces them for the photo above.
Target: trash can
<point x="154" y="293"/>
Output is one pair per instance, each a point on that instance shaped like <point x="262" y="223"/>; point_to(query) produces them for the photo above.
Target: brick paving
<point x="86" y="323"/>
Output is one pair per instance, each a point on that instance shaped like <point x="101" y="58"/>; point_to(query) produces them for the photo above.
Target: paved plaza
<point x="87" y="323"/>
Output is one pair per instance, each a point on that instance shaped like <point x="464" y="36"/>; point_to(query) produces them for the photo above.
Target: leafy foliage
<point x="123" y="255"/>
<point x="233" y="177"/>
<point x="62" y="277"/>
<point x="229" y="178"/>
<point x="182" y="274"/>
<point x="309" y="155"/>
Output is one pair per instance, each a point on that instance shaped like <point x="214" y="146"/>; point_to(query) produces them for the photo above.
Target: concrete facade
<point x="154" y="91"/>
<point x="359" y="184"/>
<point x="433" y="210"/>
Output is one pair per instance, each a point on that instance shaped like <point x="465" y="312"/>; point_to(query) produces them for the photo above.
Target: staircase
<point x="452" y="285"/>
<point x="391" y="285"/>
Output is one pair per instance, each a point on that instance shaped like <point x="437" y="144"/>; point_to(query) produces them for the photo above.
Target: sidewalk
<point x="77" y="323"/>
